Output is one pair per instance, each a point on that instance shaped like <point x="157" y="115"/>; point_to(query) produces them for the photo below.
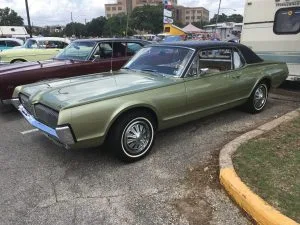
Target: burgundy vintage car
<point x="78" y="58"/>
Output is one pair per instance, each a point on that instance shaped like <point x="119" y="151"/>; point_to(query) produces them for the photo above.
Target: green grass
<point x="270" y="166"/>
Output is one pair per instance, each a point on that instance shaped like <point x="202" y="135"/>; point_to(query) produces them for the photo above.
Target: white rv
<point x="272" y="29"/>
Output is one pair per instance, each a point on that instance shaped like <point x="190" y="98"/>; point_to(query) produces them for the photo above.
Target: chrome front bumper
<point x="63" y="134"/>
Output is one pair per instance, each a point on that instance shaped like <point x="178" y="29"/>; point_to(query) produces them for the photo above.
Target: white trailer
<point x="272" y="29"/>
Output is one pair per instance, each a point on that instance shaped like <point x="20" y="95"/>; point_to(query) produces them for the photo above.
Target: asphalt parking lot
<point x="177" y="183"/>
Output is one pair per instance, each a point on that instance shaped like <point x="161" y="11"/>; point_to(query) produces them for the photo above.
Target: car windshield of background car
<point x="163" y="60"/>
<point x="31" y="44"/>
<point x="77" y="50"/>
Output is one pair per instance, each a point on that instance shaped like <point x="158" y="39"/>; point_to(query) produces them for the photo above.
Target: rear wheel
<point x="18" y="61"/>
<point x="132" y="136"/>
<point x="258" y="99"/>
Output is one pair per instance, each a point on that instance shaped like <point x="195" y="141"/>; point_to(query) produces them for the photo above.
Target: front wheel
<point x="258" y="99"/>
<point x="132" y="136"/>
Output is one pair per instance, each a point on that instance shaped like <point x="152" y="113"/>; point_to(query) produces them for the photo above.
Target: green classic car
<point x="163" y="85"/>
<point x="34" y="49"/>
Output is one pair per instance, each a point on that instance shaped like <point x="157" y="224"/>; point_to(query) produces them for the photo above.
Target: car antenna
<point x="111" y="58"/>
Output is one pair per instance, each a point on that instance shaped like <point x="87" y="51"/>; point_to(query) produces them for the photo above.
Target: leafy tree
<point x="9" y="17"/>
<point x="200" y="24"/>
<point x="222" y="18"/>
<point x="96" y="26"/>
<point x="237" y="18"/>
<point x="147" y="18"/>
<point x="77" y="29"/>
<point x="116" y="26"/>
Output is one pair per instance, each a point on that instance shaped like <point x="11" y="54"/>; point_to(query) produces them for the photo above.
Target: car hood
<point x="21" y="67"/>
<point x="66" y="93"/>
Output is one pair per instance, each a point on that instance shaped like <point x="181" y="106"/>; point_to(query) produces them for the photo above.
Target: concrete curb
<point x="255" y="206"/>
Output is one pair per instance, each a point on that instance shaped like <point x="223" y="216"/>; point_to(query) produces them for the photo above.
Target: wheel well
<point x="23" y="60"/>
<point x="267" y="81"/>
<point x="141" y="109"/>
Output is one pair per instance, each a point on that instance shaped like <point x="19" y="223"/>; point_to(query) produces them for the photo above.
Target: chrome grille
<point x="25" y="102"/>
<point x="46" y="115"/>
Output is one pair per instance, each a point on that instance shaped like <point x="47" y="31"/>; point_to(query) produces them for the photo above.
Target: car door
<point x="211" y="82"/>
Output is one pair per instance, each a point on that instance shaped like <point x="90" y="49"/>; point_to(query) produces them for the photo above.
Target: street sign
<point x="168" y="20"/>
<point x="167" y="13"/>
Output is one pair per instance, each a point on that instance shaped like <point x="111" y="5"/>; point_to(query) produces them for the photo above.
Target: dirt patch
<point x="195" y="206"/>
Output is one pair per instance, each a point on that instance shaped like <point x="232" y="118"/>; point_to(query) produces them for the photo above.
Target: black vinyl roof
<point x="248" y="54"/>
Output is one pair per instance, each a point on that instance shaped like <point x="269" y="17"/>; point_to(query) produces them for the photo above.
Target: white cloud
<point x="49" y="12"/>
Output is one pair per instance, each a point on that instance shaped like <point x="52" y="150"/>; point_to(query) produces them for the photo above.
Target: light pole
<point x="218" y="17"/>
<point x="28" y="19"/>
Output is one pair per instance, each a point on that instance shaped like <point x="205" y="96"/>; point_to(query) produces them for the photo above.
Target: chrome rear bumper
<point x="62" y="134"/>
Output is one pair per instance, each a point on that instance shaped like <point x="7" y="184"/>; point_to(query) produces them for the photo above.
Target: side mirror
<point x="96" y="58"/>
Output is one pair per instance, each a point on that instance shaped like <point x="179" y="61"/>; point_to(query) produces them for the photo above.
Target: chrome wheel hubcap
<point x="260" y="97"/>
<point x="137" y="137"/>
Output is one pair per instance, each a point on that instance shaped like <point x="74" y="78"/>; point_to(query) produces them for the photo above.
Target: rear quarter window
<point x="287" y="21"/>
<point x="249" y="56"/>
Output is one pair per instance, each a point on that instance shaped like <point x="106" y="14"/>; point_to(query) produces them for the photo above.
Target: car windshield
<point x="172" y="39"/>
<point x="78" y="50"/>
<point x="31" y="43"/>
<point x="162" y="60"/>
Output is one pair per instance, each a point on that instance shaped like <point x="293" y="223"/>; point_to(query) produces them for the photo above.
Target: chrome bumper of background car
<point x="15" y="102"/>
<point x="63" y="134"/>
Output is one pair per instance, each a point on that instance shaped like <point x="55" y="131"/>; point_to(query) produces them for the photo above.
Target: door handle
<point x="236" y="76"/>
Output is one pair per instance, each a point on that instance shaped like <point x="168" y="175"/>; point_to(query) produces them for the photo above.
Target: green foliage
<point x="77" y="29"/>
<point x="95" y="28"/>
<point x="116" y="25"/>
<point x="237" y="18"/>
<point x="147" y="18"/>
<point x="9" y="17"/>
<point x="200" y="24"/>
<point x="269" y="165"/>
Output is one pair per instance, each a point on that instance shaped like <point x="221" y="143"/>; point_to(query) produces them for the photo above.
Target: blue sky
<point x="52" y="12"/>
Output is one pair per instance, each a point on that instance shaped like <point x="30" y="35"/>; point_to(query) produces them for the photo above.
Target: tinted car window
<point x="133" y="48"/>
<point x="12" y="43"/>
<point x="249" y="55"/>
<point x="31" y="44"/>
<point x="2" y="44"/>
<point x="164" y="60"/>
<point x="79" y="50"/>
<point x="287" y="21"/>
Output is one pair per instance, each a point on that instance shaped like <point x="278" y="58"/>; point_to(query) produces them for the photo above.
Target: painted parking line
<point x="29" y="131"/>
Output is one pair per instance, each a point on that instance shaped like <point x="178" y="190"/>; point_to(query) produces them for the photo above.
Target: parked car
<point x="8" y="43"/>
<point x="34" y="49"/>
<point x="161" y="86"/>
<point x="79" y="58"/>
<point x="174" y="38"/>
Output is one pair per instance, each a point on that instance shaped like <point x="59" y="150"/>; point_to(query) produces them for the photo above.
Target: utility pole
<point x="28" y="19"/>
<point x="73" y="28"/>
<point x="218" y="16"/>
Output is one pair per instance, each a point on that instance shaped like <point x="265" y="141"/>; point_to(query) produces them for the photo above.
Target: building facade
<point x="186" y="15"/>
<point x="182" y="14"/>
<point x="124" y="6"/>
